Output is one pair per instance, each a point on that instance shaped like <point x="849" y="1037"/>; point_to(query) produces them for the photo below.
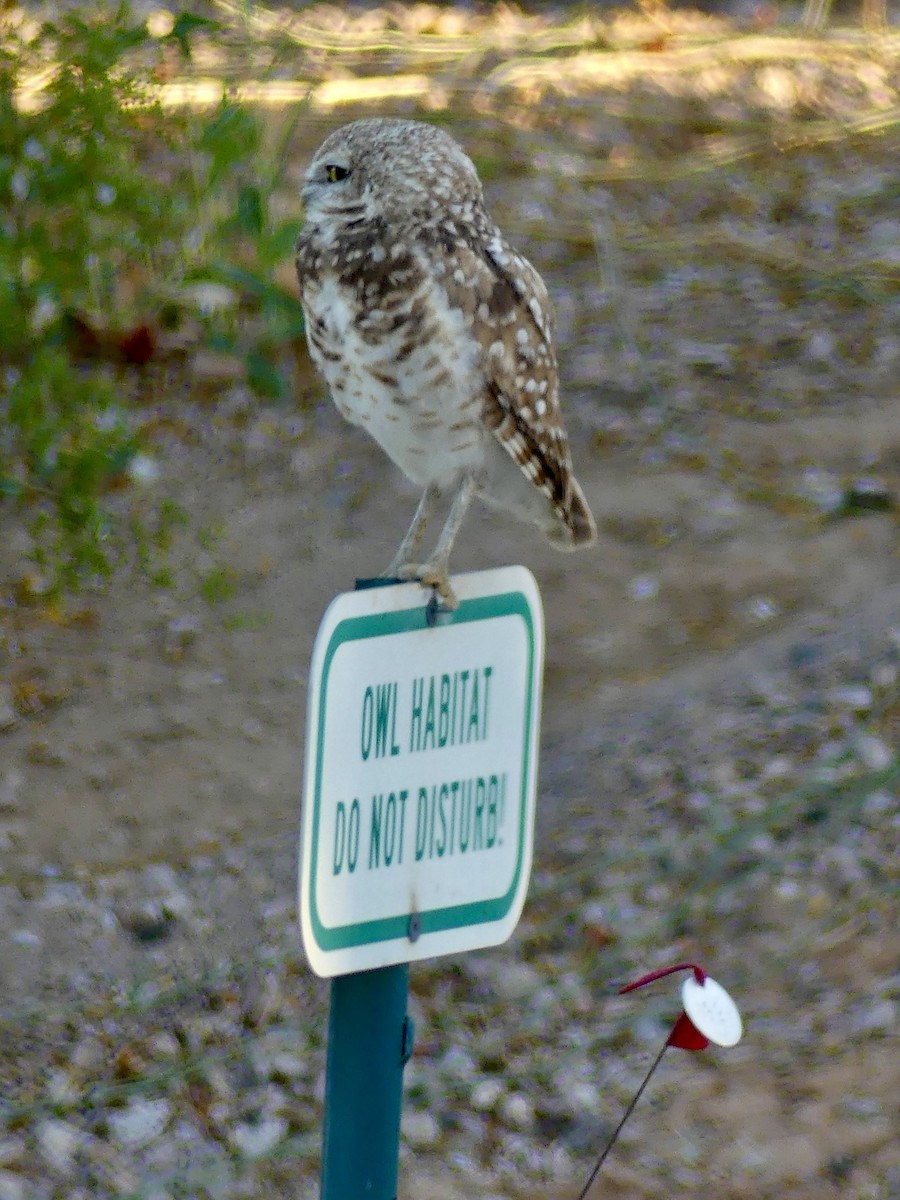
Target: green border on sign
<point x="386" y="929"/>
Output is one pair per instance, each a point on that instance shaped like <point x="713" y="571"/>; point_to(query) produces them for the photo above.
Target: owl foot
<point x="430" y="575"/>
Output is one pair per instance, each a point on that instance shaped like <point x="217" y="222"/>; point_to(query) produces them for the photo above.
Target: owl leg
<point x="436" y="572"/>
<point x="399" y="568"/>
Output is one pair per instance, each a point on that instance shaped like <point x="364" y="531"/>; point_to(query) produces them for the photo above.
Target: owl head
<point x="392" y="170"/>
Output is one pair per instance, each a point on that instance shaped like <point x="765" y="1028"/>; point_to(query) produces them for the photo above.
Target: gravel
<point x="758" y="833"/>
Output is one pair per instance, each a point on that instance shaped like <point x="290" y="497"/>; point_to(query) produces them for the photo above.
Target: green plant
<point x="117" y="219"/>
<point x="79" y="216"/>
<point x="238" y="169"/>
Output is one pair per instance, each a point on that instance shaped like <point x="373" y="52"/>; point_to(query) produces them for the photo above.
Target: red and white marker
<point x="712" y="1011"/>
<point x="709" y="1015"/>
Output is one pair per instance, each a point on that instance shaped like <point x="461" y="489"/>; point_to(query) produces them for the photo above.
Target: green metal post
<point x="369" y="1043"/>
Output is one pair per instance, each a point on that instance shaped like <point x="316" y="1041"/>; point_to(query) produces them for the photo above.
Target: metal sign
<point x="420" y="772"/>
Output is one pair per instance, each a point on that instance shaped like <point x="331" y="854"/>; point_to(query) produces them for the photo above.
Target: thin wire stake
<point x="618" y="1129"/>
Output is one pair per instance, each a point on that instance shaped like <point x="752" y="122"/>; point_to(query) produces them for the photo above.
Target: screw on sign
<point x="708" y="1015"/>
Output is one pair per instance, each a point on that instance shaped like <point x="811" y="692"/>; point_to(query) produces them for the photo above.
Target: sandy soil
<point x="166" y="722"/>
<point x="170" y="729"/>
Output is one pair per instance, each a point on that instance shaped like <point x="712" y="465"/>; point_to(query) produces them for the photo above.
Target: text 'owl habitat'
<point x="425" y="819"/>
<point x="449" y="709"/>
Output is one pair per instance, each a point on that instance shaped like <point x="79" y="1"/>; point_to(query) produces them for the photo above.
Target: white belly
<point x="423" y="408"/>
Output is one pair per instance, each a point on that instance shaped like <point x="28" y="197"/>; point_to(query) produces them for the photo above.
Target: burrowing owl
<point x="433" y="334"/>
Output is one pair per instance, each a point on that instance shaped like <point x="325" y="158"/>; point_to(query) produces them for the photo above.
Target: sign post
<point x="417" y="825"/>
<point x="369" y="1043"/>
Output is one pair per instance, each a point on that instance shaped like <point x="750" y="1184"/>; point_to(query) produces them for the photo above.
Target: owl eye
<point x="335" y="173"/>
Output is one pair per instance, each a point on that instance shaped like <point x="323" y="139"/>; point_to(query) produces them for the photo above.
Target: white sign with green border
<point x="420" y="772"/>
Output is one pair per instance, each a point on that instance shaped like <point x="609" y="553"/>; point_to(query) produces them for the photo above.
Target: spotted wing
<point x="507" y="303"/>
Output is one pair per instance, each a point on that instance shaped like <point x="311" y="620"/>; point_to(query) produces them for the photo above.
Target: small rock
<point x="180" y="635"/>
<point x="856" y="697"/>
<point x="9" y="718"/>
<point x="598" y="928"/>
<point x="873" y="752"/>
<point x="643" y="587"/>
<point x="211" y="297"/>
<point x="582" y="1096"/>
<point x="820" y="346"/>
<point x="708" y="358"/>
<point x="58" y="1142"/>
<point x="777" y="768"/>
<point x="485" y="1094"/>
<point x="99" y="776"/>
<point x="867" y="495"/>
<point x="140" y="1123"/>
<point x="210" y="366"/>
<point x="10" y="786"/>
<point x="143" y="469"/>
<point x="821" y="489"/>
<point x="844" y="865"/>
<point x="146" y="921"/>
<point x="259" y="1139"/>
<point x="62" y="1088"/>
<point x="880" y="1017"/>
<point x="458" y="1064"/>
<point x="63" y="895"/>
<point x="285" y="1065"/>
<point x="12" y="1186"/>
<point x="47" y="754"/>
<point x="884" y="676"/>
<point x="878" y="803"/>
<point x="253" y="730"/>
<point x="12" y="1152"/>
<point x="25" y="937"/>
<point x="517" y="1111"/>
<point x="420" y="1130"/>
<point x="164" y="1045"/>
<point x="517" y="1155"/>
<point x="517" y="981"/>
<point x="762" y="608"/>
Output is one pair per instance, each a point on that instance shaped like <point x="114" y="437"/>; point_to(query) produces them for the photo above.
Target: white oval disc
<point x="712" y="1011"/>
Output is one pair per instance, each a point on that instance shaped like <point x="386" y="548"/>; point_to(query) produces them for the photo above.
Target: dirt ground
<point x="146" y="726"/>
<point x="175" y="732"/>
<point x="167" y="723"/>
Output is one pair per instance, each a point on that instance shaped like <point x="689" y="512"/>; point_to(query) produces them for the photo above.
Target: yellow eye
<point x="335" y="173"/>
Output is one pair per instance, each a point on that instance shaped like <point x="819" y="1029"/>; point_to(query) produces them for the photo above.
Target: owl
<point x="435" y="335"/>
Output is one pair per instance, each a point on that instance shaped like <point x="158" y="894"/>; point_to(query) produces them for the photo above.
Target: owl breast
<point x="405" y="367"/>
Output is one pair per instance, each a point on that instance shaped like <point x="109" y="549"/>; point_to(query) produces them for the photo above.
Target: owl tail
<point x="575" y="527"/>
<point x="580" y="519"/>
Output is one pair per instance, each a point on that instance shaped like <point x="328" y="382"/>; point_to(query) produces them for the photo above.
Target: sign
<point x="420" y="772"/>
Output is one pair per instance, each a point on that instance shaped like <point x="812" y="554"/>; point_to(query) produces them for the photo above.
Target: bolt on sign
<point x="420" y="772"/>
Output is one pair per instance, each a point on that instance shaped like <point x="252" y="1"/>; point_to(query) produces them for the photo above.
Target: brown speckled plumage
<point x="433" y="333"/>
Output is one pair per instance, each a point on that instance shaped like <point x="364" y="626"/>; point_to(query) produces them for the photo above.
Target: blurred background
<point x="712" y="197"/>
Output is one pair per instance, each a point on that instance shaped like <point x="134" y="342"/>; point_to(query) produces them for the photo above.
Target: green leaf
<point x="230" y="138"/>
<point x="222" y="341"/>
<point x="250" y="211"/>
<point x="11" y="488"/>
<point x="265" y="377"/>
<point x="278" y="244"/>
<point x="187" y="23"/>
<point x="218" y="585"/>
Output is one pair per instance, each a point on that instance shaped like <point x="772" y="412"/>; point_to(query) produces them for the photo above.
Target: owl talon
<point x="439" y="581"/>
<point x="430" y="576"/>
